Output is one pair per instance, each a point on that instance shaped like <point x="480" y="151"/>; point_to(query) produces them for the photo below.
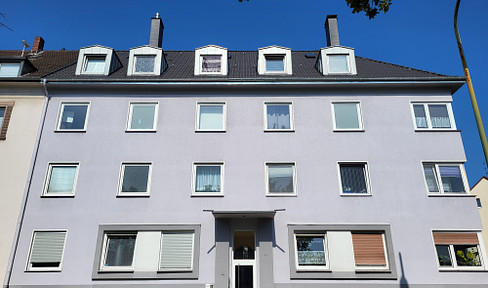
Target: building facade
<point x="480" y="189"/>
<point x="267" y="168"/>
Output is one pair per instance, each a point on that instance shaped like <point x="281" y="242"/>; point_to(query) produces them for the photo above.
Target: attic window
<point x="336" y="60"/>
<point x="275" y="63"/>
<point x="94" y="64"/>
<point x="144" y="63"/>
<point x="211" y="63"/>
<point x="338" y="64"/>
<point x="9" y="69"/>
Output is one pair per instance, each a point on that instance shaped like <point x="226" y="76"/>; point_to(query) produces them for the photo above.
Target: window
<point x="275" y="63"/>
<point x="135" y="179"/>
<point x="354" y="178"/>
<point x="336" y="251"/>
<point x="5" y="114"/>
<point x="311" y="252"/>
<point x="9" y="69"/>
<point x="73" y="117"/>
<point x="61" y="180"/>
<point x="147" y="251"/>
<point x="211" y="117"/>
<point x="142" y="117"/>
<point x="278" y="116"/>
<point x="280" y="179"/>
<point x="338" y="63"/>
<point x="347" y="116"/>
<point x="211" y="63"/>
<point x="118" y="251"/>
<point x="478" y="202"/>
<point x="177" y="251"/>
<point x="444" y="178"/>
<point x="208" y="179"/>
<point x="369" y="250"/>
<point x="144" y="63"/>
<point x="433" y="116"/>
<point x="94" y="64"/>
<point x="457" y="250"/>
<point x="47" y="249"/>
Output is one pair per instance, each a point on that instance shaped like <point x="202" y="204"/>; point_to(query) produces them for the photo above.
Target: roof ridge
<point x="402" y="66"/>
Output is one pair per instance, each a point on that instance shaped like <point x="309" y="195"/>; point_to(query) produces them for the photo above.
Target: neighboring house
<point x="268" y="168"/>
<point x="22" y="99"/>
<point x="480" y="189"/>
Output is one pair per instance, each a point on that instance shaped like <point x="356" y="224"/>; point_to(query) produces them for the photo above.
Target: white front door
<point x="243" y="267"/>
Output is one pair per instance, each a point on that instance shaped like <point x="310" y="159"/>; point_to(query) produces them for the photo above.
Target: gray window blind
<point x="176" y="251"/>
<point x="47" y="247"/>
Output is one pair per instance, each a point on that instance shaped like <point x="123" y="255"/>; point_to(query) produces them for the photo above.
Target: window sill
<point x="281" y="195"/>
<point x="451" y="195"/>
<point x="35" y="270"/>
<point x="206" y="194"/>
<point x="279" y="130"/>
<point x="356" y="194"/>
<point x="117" y="270"/>
<point x="210" y="131"/>
<point x="70" y="131"/>
<point x="437" y="130"/>
<point x="373" y="270"/>
<point x="348" y="130"/>
<point x="133" y="195"/>
<point x="481" y="269"/>
<point x="58" y="196"/>
<point x="141" y="131"/>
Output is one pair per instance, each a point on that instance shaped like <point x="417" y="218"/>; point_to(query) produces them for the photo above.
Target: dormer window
<point x="146" y="60"/>
<point x="94" y="64"/>
<point x="9" y="69"/>
<point x="211" y="63"/>
<point x="337" y="60"/>
<point x="274" y="60"/>
<point x="144" y="63"/>
<point x="97" y="60"/>
<point x="210" y="60"/>
<point x="275" y="63"/>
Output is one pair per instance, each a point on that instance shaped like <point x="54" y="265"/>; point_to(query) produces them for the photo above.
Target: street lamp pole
<point x="474" y="103"/>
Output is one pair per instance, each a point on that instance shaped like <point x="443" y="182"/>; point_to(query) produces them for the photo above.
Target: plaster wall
<point x="481" y="192"/>
<point x="389" y="144"/>
<point x="15" y="158"/>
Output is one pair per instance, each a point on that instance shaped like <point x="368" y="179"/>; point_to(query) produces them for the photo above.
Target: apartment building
<point x="267" y="168"/>
<point x="22" y="100"/>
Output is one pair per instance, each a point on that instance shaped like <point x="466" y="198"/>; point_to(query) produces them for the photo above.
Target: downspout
<point x="20" y="220"/>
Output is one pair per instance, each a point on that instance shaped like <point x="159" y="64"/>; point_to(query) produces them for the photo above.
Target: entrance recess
<point x="244" y="260"/>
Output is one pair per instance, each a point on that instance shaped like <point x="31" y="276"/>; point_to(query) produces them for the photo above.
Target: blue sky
<point x="415" y="33"/>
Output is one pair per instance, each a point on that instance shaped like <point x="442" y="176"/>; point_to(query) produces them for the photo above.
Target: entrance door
<point x="244" y="260"/>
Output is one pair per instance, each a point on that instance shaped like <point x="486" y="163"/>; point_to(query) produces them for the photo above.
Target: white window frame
<point x="274" y="51"/>
<point x="326" y="267"/>
<point x="275" y="194"/>
<point x="375" y="267"/>
<point x="155" y="118"/>
<point x="85" y="63"/>
<point x="19" y="71"/>
<point x="28" y="266"/>
<point x="427" y="116"/>
<point x="210" y="50"/>
<point x="224" y="116"/>
<point x="366" y="178"/>
<point x="194" y="179"/>
<point x="358" y="111"/>
<point x="48" y="179"/>
<point x="439" y="182"/>
<point x="292" y="118"/>
<point x="323" y="63"/>
<point x="480" y="246"/>
<point x="104" y="252"/>
<point x="121" y="179"/>
<point x="61" y="112"/>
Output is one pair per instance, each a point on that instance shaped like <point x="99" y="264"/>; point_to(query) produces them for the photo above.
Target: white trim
<point x="323" y="60"/>
<point x="61" y="112"/>
<point x="121" y="179"/>
<point x="47" y="179"/>
<point x="438" y="178"/>
<point x="358" y="111"/>
<point x="104" y="252"/>
<point x="275" y="51"/>
<point x="28" y="266"/>
<point x="292" y="118"/>
<point x="326" y="267"/>
<point x="427" y="115"/>
<point x="211" y="50"/>
<point x="366" y="178"/>
<point x="155" y="116"/>
<point x="276" y="194"/>
<point x="95" y="51"/>
<point x="224" y="116"/>
<point x="194" y="179"/>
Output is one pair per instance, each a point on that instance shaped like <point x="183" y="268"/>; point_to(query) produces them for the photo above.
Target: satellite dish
<point x="25" y="43"/>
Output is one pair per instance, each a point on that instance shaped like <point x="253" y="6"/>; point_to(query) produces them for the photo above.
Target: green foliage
<point x="370" y="7"/>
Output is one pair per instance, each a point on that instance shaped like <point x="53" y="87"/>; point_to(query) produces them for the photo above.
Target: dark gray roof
<point x="242" y="65"/>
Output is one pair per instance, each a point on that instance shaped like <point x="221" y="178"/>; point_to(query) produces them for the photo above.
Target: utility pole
<point x="474" y="103"/>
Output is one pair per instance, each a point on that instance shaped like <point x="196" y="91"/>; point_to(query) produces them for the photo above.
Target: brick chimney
<point x="332" y="31"/>
<point x="156" y="34"/>
<point x="38" y="45"/>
